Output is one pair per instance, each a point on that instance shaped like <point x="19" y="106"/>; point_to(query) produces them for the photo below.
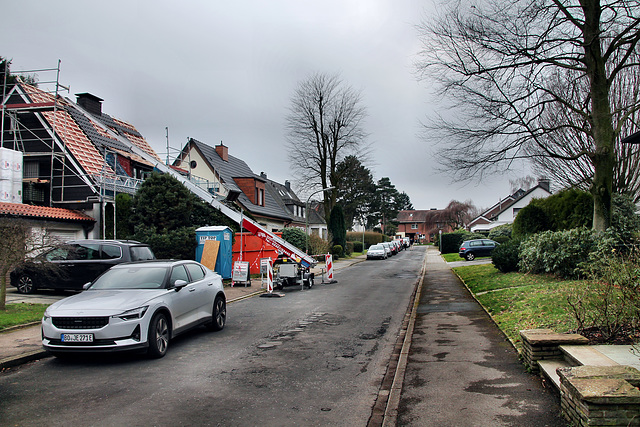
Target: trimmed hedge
<point x="451" y="241"/>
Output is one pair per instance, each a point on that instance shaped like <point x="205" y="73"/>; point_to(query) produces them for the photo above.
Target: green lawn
<point x="455" y="257"/>
<point x="452" y="257"/>
<point x="19" y="314"/>
<point x="521" y="301"/>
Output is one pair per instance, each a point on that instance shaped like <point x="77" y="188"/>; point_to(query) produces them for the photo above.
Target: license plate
<point x="77" y="337"/>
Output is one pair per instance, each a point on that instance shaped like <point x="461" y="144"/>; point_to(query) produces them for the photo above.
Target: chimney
<point x="287" y="185"/>
<point x="90" y="102"/>
<point x="263" y="175"/>
<point x="545" y="183"/>
<point x="223" y="152"/>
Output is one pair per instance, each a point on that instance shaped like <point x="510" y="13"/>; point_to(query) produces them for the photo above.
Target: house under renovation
<point x="75" y="156"/>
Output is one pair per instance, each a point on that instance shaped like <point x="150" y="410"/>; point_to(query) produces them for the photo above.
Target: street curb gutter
<point x="391" y="411"/>
<point x="21" y="359"/>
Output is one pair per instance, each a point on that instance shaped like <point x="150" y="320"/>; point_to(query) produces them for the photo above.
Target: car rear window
<point x="195" y="271"/>
<point x="111" y="252"/>
<point x="141" y="253"/>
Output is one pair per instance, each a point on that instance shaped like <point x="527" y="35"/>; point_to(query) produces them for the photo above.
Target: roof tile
<point x="42" y="212"/>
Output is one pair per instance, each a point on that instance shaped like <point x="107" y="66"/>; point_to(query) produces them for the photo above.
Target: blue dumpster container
<point x="224" y="235"/>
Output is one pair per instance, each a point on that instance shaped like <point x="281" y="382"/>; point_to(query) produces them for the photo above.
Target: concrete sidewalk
<point x="461" y="370"/>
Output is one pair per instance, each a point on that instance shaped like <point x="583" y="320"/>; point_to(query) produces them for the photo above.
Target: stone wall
<point x="600" y="395"/>
<point x="543" y="344"/>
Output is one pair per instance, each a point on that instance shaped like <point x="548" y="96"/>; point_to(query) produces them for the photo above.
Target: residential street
<point x="314" y="357"/>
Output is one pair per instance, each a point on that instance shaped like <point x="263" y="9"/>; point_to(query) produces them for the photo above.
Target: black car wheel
<point x="470" y="256"/>
<point x="25" y="284"/>
<point x="158" y="336"/>
<point x="218" y="315"/>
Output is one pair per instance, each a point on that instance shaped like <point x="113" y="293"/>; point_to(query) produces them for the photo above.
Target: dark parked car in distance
<point x="471" y="249"/>
<point x="72" y="264"/>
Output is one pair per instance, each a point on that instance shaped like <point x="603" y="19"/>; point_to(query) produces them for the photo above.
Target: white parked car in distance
<point x="376" y="252"/>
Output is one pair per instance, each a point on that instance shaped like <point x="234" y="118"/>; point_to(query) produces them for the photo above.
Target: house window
<point x="515" y="212"/>
<point x="414" y="226"/>
<point x="260" y="197"/>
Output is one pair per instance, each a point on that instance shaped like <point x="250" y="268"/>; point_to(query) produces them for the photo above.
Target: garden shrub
<point x="560" y="253"/>
<point x="568" y="209"/>
<point x="625" y="222"/>
<point x="337" y="251"/>
<point x="296" y="236"/>
<point x="501" y="232"/>
<point x="506" y="256"/>
<point x="357" y="247"/>
<point x="610" y="301"/>
<point x="317" y="245"/>
<point x="530" y="220"/>
<point x="348" y="249"/>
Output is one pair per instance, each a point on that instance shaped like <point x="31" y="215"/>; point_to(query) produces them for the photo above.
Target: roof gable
<point x="235" y="168"/>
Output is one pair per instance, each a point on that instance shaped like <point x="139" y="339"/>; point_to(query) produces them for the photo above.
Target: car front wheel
<point x="25" y="284"/>
<point x="470" y="256"/>
<point x="158" y="336"/>
<point x="219" y="315"/>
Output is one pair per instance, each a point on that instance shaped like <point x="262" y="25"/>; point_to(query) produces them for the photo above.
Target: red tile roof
<point x="75" y="140"/>
<point x="42" y="212"/>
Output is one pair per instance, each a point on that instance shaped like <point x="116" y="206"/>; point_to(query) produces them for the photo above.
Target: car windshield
<point x="376" y="247"/>
<point x="133" y="277"/>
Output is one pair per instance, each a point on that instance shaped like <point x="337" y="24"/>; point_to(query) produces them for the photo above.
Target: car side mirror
<point x="179" y="284"/>
<point x="86" y="286"/>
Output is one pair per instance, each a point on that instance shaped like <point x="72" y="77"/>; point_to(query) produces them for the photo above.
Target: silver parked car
<point x="376" y="252"/>
<point x="134" y="306"/>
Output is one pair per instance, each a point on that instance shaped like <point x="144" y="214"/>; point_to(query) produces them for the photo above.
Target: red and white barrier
<point x="270" y="277"/>
<point x="328" y="259"/>
<point x="329" y="262"/>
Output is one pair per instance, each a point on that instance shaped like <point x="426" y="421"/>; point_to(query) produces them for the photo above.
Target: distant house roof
<point x="42" y="213"/>
<point x="418" y="216"/>
<point x="234" y="168"/>
<point x="489" y="215"/>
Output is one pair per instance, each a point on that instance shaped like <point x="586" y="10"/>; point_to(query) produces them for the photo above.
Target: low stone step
<point x="548" y="370"/>
<point x="585" y="355"/>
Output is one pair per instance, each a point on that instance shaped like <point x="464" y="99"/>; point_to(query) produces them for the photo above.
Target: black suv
<point x="72" y="264"/>
<point x="470" y="249"/>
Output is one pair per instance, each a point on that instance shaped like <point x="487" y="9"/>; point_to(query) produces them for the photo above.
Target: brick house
<point x="422" y="225"/>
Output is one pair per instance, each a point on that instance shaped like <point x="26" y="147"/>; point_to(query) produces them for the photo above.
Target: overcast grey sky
<point x="225" y="71"/>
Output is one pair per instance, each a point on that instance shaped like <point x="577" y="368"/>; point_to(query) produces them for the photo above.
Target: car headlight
<point x="135" y="313"/>
<point x="46" y="316"/>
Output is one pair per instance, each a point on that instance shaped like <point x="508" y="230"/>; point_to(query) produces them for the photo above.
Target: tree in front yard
<point x="525" y="77"/>
<point x="18" y="242"/>
<point x="166" y="214"/>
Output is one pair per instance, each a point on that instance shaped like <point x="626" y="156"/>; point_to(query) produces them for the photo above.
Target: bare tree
<point x="324" y="125"/>
<point x="19" y="241"/>
<point x="514" y="70"/>
<point x="458" y="214"/>
<point x="578" y="173"/>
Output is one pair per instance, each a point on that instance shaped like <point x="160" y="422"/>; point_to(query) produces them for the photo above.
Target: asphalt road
<point x="314" y="357"/>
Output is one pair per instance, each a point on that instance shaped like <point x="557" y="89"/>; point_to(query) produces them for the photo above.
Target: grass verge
<point x="20" y="314"/>
<point x="519" y="301"/>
